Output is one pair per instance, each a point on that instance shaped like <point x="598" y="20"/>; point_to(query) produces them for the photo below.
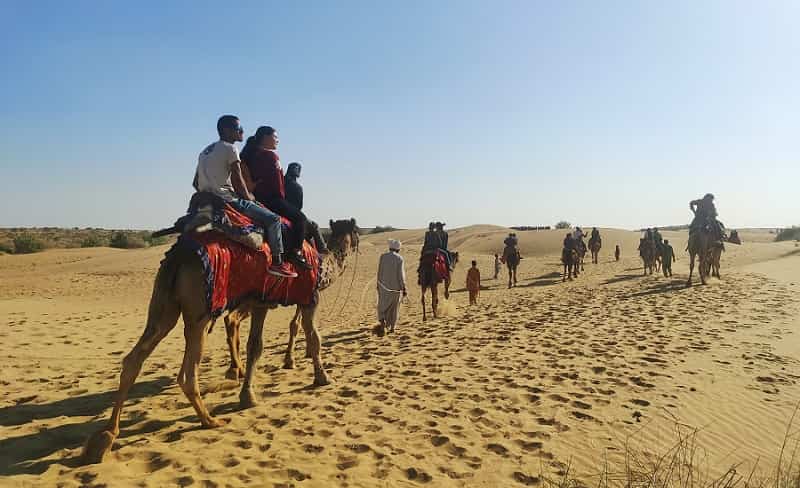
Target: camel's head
<point x="344" y="237"/>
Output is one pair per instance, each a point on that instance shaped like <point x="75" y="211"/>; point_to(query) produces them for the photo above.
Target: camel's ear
<point x="331" y="224"/>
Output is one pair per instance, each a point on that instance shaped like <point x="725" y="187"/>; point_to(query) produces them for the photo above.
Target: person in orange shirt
<point x="473" y="283"/>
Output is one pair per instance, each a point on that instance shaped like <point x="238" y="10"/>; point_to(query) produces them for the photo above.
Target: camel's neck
<point x="333" y="266"/>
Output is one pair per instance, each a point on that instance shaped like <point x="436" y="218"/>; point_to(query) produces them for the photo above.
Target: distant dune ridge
<point x="529" y="382"/>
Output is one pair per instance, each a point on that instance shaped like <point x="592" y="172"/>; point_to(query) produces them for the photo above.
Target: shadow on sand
<point x="674" y="284"/>
<point x="23" y="454"/>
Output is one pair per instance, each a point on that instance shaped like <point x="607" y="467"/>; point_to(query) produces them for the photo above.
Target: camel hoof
<point x="247" y="399"/>
<point x="321" y="380"/>
<point x="288" y="363"/>
<point x="97" y="446"/>
<point x="233" y="373"/>
<point x="213" y="423"/>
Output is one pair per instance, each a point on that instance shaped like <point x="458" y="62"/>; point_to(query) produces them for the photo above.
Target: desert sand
<point x="545" y="379"/>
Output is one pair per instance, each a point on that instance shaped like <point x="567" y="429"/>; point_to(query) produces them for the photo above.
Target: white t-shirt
<point x="214" y="169"/>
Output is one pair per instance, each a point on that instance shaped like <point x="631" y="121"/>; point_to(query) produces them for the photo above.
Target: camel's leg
<point x="424" y="311"/>
<point x="435" y="298"/>
<point x="232" y="323"/>
<point x="691" y="268"/>
<point x="314" y="345"/>
<point x="195" y="331"/>
<point x="255" y="346"/>
<point x="515" y="276"/>
<point x="447" y="289"/>
<point x="702" y="267"/>
<point x="161" y="319"/>
<point x="294" y="326"/>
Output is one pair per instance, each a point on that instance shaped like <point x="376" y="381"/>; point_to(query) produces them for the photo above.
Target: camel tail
<point x="163" y="288"/>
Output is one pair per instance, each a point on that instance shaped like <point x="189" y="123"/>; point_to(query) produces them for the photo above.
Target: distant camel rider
<point x="512" y="247"/>
<point x="294" y="195"/>
<point x="444" y="240"/>
<point x="705" y="213"/>
<point x="657" y="239"/>
<point x="578" y="234"/>
<point x="595" y="237"/>
<point x="648" y="234"/>
<point x="511" y="240"/>
<point x="432" y="240"/>
<point x="569" y="242"/>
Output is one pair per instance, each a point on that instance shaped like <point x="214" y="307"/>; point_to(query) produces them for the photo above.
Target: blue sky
<point x="512" y="113"/>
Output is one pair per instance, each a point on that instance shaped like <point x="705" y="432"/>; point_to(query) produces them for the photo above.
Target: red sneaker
<point x="283" y="270"/>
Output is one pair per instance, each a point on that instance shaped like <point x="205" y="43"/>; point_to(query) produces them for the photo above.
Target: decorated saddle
<point x="433" y="267"/>
<point x="235" y="269"/>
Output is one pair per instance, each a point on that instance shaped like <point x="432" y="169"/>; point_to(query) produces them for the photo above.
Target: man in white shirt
<point x="391" y="286"/>
<point x="219" y="172"/>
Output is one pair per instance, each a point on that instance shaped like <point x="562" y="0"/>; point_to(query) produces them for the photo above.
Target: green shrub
<point x="563" y="225"/>
<point x="93" y="240"/>
<point x="790" y="234"/>
<point x="154" y="241"/>
<point x="26" y="244"/>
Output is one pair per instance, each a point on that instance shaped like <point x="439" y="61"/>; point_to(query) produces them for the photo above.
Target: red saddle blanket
<point x="235" y="272"/>
<point x="433" y="268"/>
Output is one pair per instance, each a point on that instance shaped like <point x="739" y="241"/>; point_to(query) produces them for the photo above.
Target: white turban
<point x="394" y="244"/>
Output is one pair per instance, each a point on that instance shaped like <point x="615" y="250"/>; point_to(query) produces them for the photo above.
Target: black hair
<point x="254" y="140"/>
<point x="474" y="263"/>
<point x="226" y="122"/>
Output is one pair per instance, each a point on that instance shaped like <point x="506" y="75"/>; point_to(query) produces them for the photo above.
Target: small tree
<point x="93" y="240"/>
<point x="26" y="244"/>
<point x="119" y="240"/>
<point x="790" y="234"/>
<point x="563" y="225"/>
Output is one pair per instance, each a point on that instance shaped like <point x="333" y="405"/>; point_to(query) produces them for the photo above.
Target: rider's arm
<point x="238" y="182"/>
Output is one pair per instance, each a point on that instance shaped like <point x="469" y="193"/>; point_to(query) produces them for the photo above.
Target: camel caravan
<point x="245" y="247"/>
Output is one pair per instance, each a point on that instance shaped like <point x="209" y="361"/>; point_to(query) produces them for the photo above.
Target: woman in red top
<point x="267" y="175"/>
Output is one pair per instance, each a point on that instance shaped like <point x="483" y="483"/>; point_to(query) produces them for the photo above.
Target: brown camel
<point x="512" y="258"/>
<point x="594" y="247"/>
<point x="700" y="243"/>
<point x="569" y="257"/>
<point x="647" y="251"/>
<point x="715" y="254"/>
<point x="432" y="271"/>
<point x="333" y="265"/>
<point x="581" y="250"/>
<point x="179" y="289"/>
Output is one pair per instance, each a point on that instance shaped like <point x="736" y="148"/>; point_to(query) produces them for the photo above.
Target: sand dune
<point x="531" y="380"/>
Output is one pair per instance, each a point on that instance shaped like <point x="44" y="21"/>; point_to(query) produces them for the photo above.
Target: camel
<point x="700" y="244"/>
<point x="512" y="258"/>
<point x="594" y="247"/>
<point x="715" y="254"/>
<point x="569" y="256"/>
<point x="180" y="289"/>
<point x="581" y="250"/>
<point x="432" y="271"/>
<point x="647" y="251"/>
<point x="333" y="265"/>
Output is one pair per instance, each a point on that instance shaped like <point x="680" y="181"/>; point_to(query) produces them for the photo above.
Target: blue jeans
<point x="270" y="221"/>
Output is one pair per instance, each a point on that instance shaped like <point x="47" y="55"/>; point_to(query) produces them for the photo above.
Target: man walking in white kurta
<point x="391" y="286"/>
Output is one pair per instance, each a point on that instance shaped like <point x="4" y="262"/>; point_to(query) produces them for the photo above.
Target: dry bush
<point x="685" y="465"/>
